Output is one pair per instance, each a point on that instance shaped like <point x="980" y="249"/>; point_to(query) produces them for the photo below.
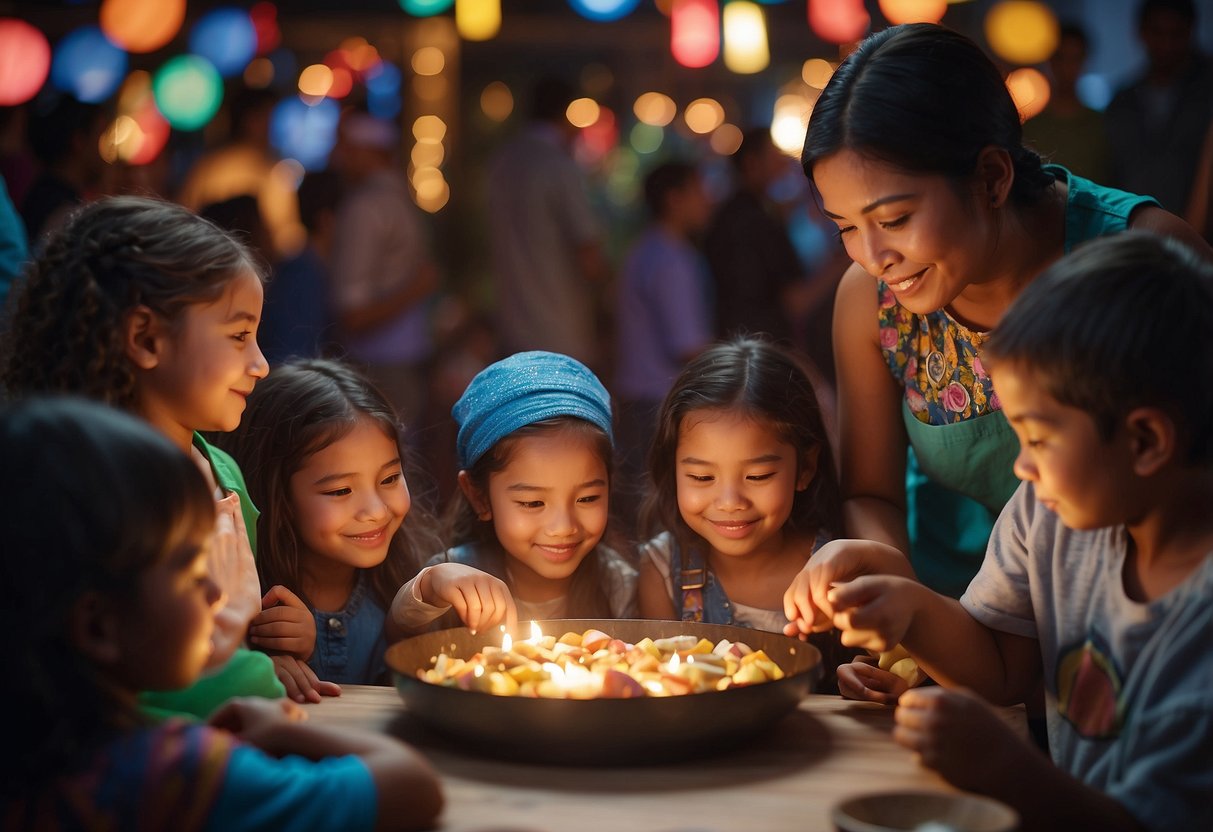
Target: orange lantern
<point x="142" y="25"/>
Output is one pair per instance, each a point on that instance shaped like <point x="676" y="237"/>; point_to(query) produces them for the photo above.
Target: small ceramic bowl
<point x="923" y="812"/>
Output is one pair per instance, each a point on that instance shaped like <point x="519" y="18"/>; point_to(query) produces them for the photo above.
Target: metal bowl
<point x="604" y="731"/>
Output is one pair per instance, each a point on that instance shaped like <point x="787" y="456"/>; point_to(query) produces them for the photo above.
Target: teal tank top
<point x="959" y="466"/>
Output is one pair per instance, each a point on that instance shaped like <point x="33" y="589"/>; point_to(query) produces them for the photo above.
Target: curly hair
<point x="302" y="407"/>
<point x="66" y="331"/>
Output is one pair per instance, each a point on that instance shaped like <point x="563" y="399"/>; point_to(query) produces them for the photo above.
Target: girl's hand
<point x="231" y="562"/>
<point x="481" y="600"/>
<point x="301" y="682"/>
<point x="862" y="679"/>
<point x="250" y="714"/>
<point x="231" y="622"/>
<point x="807" y="603"/>
<point x="960" y="736"/>
<point x="285" y="624"/>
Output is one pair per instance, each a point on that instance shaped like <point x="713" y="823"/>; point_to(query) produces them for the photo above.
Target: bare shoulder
<point x="1162" y="222"/>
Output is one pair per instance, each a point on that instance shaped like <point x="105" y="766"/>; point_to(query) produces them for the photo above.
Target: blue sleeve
<point x="263" y="793"/>
<point x="13" y="248"/>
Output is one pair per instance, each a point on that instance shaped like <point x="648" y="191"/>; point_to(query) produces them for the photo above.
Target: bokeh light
<point x="188" y="91"/>
<point x="25" y="61"/>
<point x="429" y="128"/>
<point x="343" y="83"/>
<point x="227" y="38"/>
<point x="142" y="25"/>
<point x="383" y="90"/>
<point x="1030" y="91"/>
<point x="265" y="23"/>
<point x="695" y="32"/>
<point x="478" y="19"/>
<point x="87" y="65"/>
<point x="582" y="112"/>
<point x="425" y="8"/>
<point x="305" y="133"/>
<point x="817" y="72"/>
<point x="838" y="21"/>
<point x="428" y="60"/>
<point x="655" y="108"/>
<point x="703" y="115"/>
<point x="315" y="80"/>
<point x="136" y="101"/>
<point x="496" y="101"/>
<point x="604" y="9"/>
<point x="913" y="11"/>
<point x="427" y="153"/>
<point x="745" y="38"/>
<point x="259" y="74"/>
<point x="726" y="139"/>
<point x="1021" y="31"/>
<point x="646" y="138"/>
<point x="598" y="138"/>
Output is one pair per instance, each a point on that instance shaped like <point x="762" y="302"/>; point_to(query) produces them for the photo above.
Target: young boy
<point x="1099" y="575"/>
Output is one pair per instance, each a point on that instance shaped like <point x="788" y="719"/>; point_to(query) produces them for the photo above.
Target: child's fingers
<point x="317" y="685"/>
<point x="283" y="616"/>
<point x="285" y="668"/>
<point x="474" y="606"/>
<point x="278" y="594"/>
<point x="511" y="611"/>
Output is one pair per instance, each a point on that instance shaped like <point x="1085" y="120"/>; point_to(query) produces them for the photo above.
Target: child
<point x="142" y="305"/>
<point x="743" y="489"/>
<point x="114" y="597"/>
<point x="535" y="453"/>
<point x="1099" y="577"/>
<point x="322" y="449"/>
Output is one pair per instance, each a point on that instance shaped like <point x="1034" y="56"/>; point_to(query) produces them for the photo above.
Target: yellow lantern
<point x="478" y="19"/>
<point x="1022" y="31"/>
<point x="745" y="38"/>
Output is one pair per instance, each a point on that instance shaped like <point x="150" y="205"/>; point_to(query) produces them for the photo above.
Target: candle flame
<point x="675" y="660"/>
<point x="507" y="643"/>
<point x="536" y="633"/>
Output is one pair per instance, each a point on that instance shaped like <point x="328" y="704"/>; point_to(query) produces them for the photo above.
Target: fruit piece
<point x="619" y="685"/>
<point x="593" y="640"/>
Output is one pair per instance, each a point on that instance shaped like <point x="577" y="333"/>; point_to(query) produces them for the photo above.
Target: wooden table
<point x="829" y="749"/>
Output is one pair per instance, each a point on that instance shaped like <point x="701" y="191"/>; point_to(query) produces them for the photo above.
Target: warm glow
<point x="913" y="11"/>
<point x="726" y="139"/>
<point x="259" y="74"/>
<point x="507" y="643"/>
<point x="25" y="61"/>
<point x="478" y="19"/>
<point x="496" y="101"/>
<point x="430" y="87"/>
<point x="1030" y="91"/>
<point x="695" y="32"/>
<point x="316" y="80"/>
<point x="428" y="60"/>
<point x="703" y="115"/>
<point x="838" y="21"/>
<point x="582" y="112"/>
<point x="141" y="25"/>
<point x="429" y="127"/>
<point x="655" y="108"/>
<point x="359" y="55"/>
<point x="817" y="72"/>
<point x="675" y="660"/>
<point x="121" y="140"/>
<point x="745" y="38"/>
<point x="536" y="633"/>
<point x="1022" y="31"/>
<point x="343" y="83"/>
<point x="427" y="153"/>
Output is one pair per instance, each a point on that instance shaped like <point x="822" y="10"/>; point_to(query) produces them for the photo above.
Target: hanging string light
<point x="604" y="10"/>
<point x="695" y="32"/>
<point x="25" y="60"/>
<point x="745" y="38"/>
<point x="838" y="21"/>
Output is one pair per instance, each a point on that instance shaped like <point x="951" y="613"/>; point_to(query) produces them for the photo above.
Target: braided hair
<point x="66" y="327"/>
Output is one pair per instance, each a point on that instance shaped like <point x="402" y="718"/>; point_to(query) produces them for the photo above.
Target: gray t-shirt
<point x="1129" y="685"/>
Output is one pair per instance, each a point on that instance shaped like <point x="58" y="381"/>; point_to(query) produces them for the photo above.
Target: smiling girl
<point x="535" y="454"/>
<point x="340" y="534"/>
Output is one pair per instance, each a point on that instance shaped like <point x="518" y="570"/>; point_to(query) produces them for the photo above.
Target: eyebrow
<point x="241" y="316"/>
<point x="884" y="200"/>
<point x="758" y="460"/>
<point x="331" y="477"/>
<point x="1031" y="417"/>
<point x="522" y="486"/>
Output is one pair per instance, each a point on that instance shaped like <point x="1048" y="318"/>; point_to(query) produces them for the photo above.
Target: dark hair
<point x="92" y="499"/>
<point x="767" y="383"/>
<point x="664" y="180"/>
<point x="302" y="407"/>
<point x="66" y="332"/>
<point x="1121" y="323"/>
<point x="926" y="100"/>
<point x="586" y="598"/>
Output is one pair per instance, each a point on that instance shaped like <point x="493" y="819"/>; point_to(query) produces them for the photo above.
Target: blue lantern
<point x="87" y="65"/>
<point x="227" y="38"/>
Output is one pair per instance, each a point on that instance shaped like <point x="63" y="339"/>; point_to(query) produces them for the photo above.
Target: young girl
<point x="114" y="597"/>
<point x="322" y="449"/>
<point x="743" y="490"/>
<point x="144" y="306"/>
<point x="535" y="453"/>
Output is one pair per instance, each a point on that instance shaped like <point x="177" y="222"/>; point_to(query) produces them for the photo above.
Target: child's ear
<point x="1152" y="439"/>
<point x="480" y="504"/>
<point x="143" y="337"/>
<point x="93" y="629"/>
<point x="808" y="468"/>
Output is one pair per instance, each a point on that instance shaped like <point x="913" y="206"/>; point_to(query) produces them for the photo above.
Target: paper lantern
<point x="1022" y="31"/>
<point x="142" y="25"/>
<point x="87" y="65"/>
<point x="695" y="32"/>
<point x="227" y="38"/>
<point x="426" y="8"/>
<point x="838" y="21"/>
<point x="188" y="91"/>
<point x="745" y="38"/>
<point x="602" y="10"/>
<point x="913" y="11"/>
<point x="478" y="19"/>
<point x="25" y="60"/>
<point x="265" y="23"/>
<point x="305" y="132"/>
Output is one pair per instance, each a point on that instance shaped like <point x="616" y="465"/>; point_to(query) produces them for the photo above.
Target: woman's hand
<point x="284" y="625"/>
<point x="301" y="682"/>
<point x="481" y="600"/>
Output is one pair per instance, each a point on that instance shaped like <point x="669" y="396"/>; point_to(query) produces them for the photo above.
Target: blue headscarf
<point x="525" y="388"/>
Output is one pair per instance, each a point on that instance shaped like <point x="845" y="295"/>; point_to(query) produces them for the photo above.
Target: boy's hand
<point x="481" y="600"/>
<point x="301" y="682"/>
<point x="806" y="603"/>
<point x="862" y="679"/>
<point x="247" y="715"/>
<point x="285" y="624"/>
<point x="958" y="735"/>
<point x="874" y="611"/>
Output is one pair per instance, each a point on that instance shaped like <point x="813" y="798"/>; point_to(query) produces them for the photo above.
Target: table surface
<point x="828" y="749"/>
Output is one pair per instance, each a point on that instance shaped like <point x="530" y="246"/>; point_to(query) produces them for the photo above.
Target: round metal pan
<point x="603" y="731"/>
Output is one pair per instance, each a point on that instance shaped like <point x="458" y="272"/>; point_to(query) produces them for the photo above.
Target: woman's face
<point x="915" y="232"/>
